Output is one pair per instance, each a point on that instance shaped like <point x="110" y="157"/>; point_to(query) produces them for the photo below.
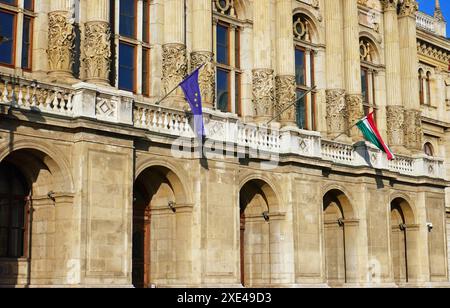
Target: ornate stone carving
<point x="174" y="65"/>
<point x="355" y="111"/>
<point x="263" y="92"/>
<point x="285" y="95"/>
<point x="336" y="111"/>
<point x="389" y="4"/>
<point x="413" y="129"/>
<point x="408" y="8"/>
<point x="395" y="125"/>
<point x="61" y="37"/>
<point x="97" y="48"/>
<point x="206" y="76"/>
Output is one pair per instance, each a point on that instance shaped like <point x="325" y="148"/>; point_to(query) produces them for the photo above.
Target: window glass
<point x="29" y="5"/>
<point x="127" y="18"/>
<point x="126" y="67"/>
<point x="222" y="90"/>
<point x="222" y="44"/>
<point x="7" y="32"/>
<point x="145" y="72"/>
<point x="300" y="67"/>
<point x="26" y="43"/>
<point x="145" y="22"/>
<point x="301" y="110"/>
<point x="10" y="2"/>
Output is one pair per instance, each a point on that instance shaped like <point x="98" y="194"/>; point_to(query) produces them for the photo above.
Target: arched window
<point x="15" y="53"/>
<point x="421" y="87"/>
<point x="132" y="45"/>
<point x="368" y="73"/>
<point x="304" y="71"/>
<point x="227" y="29"/>
<point x="14" y="194"/>
<point x="428" y="149"/>
<point x="428" y="88"/>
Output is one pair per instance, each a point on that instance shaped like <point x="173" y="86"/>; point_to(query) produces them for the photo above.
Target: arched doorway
<point x="339" y="237"/>
<point x="403" y="232"/>
<point x="14" y="210"/>
<point x="257" y="203"/>
<point x="160" y="236"/>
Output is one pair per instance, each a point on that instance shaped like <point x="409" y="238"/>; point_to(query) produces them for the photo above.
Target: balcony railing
<point x="110" y="105"/>
<point x="425" y="21"/>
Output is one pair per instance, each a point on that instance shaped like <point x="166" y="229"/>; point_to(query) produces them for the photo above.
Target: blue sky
<point x="427" y="6"/>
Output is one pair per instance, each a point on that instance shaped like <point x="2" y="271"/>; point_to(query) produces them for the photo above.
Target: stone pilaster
<point x="263" y="74"/>
<point x="352" y="65"/>
<point x="335" y="95"/>
<point x="202" y="52"/>
<point x="97" y="42"/>
<point x="408" y="65"/>
<point x="395" y="126"/>
<point x="285" y="80"/>
<point x="285" y="96"/>
<point x="206" y="77"/>
<point x="337" y="115"/>
<point x="61" y="38"/>
<point x="263" y="94"/>
<point x="413" y="130"/>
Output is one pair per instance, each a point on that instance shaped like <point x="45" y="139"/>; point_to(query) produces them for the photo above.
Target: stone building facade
<point x="101" y="183"/>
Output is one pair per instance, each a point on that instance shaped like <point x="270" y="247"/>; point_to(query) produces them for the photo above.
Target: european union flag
<point x="191" y="89"/>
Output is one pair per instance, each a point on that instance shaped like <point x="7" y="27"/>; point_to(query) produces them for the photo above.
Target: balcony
<point x="224" y="131"/>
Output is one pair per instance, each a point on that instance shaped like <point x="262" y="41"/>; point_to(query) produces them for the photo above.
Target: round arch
<point x="267" y="187"/>
<point x="34" y="155"/>
<point x="335" y="192"/>
<point x="374" y="45"/>
<point x="317" y="34"/>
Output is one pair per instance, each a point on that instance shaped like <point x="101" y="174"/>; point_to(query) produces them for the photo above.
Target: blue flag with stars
<point x="191" y="89"/>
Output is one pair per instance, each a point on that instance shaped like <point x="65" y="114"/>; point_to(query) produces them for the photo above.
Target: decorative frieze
<point x="174" y="65"/>
<point x="263" y="92"/>
<point x="206" y="76"/>
<point x="336" y="111"/>
<point x="413" y="129"/>
<point x="97" y="51"/>
<point x="395" y="125"/>
<point x="285" y="96"/>
<point x="61" y="37"/>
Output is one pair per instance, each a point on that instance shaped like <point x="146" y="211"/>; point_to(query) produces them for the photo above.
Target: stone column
<point x="97" y="42"/>
<point x="394" y="108"/>
<point x="61" y="37"/>
<point x="408" y="68"/>
<point x="335" y="94"/>
<point x="352" y="64"/>
<point x="202" y="46"/>
<point x="174" y="50"/>
<point x="285" y="79"/>
<point x="263" y="79"/>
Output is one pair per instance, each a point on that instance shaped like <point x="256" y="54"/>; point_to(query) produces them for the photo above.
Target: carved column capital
<point x="61" y="38"/>
<point x="355" y="111"/>
<point x="285" y="96"/>
<point x="207" y="75"/>
<point x="395" y="125"/>
<point x="97" y="51"/>
<point x="263" y="93"/>
<point x="336" y="111"/>
<point x="413" y="129"/>
<point x="408" y="8"/>
<point x="174" y="65"/>
<point x="389" y="5"/>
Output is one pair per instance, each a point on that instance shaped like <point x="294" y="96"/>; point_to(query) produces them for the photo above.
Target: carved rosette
<point x="61" y="38"/>
<point x="355" y="111"/>
<point x="408" y="8"/>
<point x="285" y="95"/>
<point x="336" y="111"/>
<point x="97" y="51"/>
<point x="395" y="125"/>
<point x="174" y="65"/>
<point x="413" y="129"/>
<point x="263" y="92"/>
<point x="206" y="77"/>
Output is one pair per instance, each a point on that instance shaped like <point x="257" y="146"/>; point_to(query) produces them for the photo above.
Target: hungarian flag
<point x="371" y="134"/>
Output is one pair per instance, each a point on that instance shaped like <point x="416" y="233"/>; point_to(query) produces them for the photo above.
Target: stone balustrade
<point x="110" y="105"/>
<point x="425" y="21"/>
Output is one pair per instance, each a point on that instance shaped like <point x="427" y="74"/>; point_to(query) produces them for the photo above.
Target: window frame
<point x="14" y="37"/>
<point x="134" y="66"/>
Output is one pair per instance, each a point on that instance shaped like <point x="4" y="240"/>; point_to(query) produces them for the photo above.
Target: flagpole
<point x="296" y="101"/>
<point x="348" y="129"/>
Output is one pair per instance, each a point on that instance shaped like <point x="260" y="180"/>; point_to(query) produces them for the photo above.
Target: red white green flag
<point x="371" y="134"/>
